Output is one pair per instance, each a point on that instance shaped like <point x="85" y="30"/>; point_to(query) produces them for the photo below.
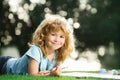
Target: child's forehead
<point x="58" y="32"/>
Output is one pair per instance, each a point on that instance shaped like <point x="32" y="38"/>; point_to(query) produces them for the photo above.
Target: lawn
<point x="23" y="77"/>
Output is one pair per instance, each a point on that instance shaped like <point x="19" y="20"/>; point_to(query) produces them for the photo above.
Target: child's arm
<point x="33" y="68"/>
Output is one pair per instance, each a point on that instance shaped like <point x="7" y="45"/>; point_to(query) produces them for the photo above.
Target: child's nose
<point x="57" y="38"/>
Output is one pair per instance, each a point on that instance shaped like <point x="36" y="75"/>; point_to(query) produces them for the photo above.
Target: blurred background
<point x="96" y="25"/>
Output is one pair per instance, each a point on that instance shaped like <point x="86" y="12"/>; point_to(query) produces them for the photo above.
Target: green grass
<point x="23" y="77"/>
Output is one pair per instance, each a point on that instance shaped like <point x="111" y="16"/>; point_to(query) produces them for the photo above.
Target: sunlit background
<point x="96" y="25"/>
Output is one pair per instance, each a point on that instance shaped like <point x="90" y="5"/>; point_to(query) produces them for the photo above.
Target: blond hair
<point x="54" y="24"/>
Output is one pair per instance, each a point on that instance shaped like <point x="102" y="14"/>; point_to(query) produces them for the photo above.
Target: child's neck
<point x="50" y="56"/>
<point x="50" y="51"/>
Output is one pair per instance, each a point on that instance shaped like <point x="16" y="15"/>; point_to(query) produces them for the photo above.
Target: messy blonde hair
<point x="54" y="24"/>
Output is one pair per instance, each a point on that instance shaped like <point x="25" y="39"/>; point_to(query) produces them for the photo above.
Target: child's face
<point x="55" y="40"/>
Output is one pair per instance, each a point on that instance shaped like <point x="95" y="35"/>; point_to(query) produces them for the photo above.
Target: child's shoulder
<point x="34" y="46"/>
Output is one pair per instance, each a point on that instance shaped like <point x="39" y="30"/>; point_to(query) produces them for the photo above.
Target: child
<point x="51" y="45"/>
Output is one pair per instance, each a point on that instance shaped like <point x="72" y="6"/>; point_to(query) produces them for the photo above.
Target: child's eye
<point x="62" y="36"/>
<point x="53" y="34"/>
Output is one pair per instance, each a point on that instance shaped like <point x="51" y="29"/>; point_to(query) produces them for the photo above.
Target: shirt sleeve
<point x="35" y="53"/>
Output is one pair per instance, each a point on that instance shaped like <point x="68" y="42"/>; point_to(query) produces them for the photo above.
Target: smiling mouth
<point x="55" y="43"/>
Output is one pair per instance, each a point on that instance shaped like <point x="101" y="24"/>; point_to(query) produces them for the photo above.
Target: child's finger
<point x="55" y="68"/>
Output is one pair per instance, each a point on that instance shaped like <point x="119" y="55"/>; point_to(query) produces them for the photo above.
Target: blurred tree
<point x="101" y="28"/>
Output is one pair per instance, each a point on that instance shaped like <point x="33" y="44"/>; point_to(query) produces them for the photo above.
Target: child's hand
<point x="56" y="71"/>
<point x="44" y="73"/>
